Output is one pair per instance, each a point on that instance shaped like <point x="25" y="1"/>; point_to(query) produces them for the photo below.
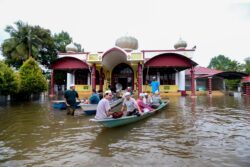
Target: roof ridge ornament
<point x="127" y="43"/>
<point x="180" y="44"/>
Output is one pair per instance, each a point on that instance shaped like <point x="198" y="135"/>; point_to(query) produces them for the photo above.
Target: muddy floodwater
<point x="199" y="132"/>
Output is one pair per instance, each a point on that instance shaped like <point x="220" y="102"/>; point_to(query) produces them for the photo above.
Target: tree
<point x="224" y="63"/>
<point x="31" y="78"/>
<point x="79" y="47"/>
<point x="9" y="82"/>
<point x="247" y="65"/>
<point x="28" y="41"/>
<point x="61" y="40"/>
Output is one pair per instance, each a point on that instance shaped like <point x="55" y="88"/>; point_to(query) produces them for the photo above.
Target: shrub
<point x="31" y="78"/>
<point x="9" y="82"/>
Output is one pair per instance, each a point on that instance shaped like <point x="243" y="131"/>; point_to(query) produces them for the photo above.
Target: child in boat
<point x="156" y="100"/>
<point x="143" y="107"/>
<point x="147" y="99"/>
<point x="131" y="105"/>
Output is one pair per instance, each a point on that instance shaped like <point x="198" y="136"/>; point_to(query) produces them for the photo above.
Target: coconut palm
<point x="28" y="41"/>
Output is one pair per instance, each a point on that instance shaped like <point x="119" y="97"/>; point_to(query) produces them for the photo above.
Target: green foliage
<point x="79" y="47"/>
<point x="33" y="41"/>
<point x="247" y="65"/>
<point x="61" y="41"/>
<point x="232" y="84"/>
<point x="31" y="78"/>
<point x="224" y="63"/>
<point x="9" y="82"/>
<point x="28" y="41"/>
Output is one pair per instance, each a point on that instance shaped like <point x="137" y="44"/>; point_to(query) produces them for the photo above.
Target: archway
<point x="123" y="74"/>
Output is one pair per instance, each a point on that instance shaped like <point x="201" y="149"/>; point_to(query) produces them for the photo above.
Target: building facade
<point x="124" y="64"/>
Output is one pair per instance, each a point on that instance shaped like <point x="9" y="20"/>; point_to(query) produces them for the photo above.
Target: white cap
<point x="157" y="92"/>
<point x="71" y="85"/>
<point x="141" y="94"/>
<point x="127" y="94"/>
<point x="154" y="77"/>
<point x="145" y="94"/>
<point x="107" y="92"/>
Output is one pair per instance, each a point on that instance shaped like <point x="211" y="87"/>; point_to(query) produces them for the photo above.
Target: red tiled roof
<point x="203" y="71"/>
<point x="247" y="79"/>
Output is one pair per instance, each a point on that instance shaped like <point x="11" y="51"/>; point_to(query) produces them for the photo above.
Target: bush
<point x="31" y="78"/>
<point x="9" y="82"/>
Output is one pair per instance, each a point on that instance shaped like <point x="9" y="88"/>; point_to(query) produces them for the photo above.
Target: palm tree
<point x="24" y="42"/>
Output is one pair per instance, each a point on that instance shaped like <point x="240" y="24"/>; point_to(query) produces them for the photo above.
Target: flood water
<point x="190" y="132"/>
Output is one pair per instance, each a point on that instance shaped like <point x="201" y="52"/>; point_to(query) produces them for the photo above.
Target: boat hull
<point x="61" y="105"/>
<point x="90" y="109"/>
<point x="111" y="123"/>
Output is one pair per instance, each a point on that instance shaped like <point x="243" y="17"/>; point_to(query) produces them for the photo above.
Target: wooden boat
<point x="60" y="104"/>
<point x="111" y="122"/>
<point x="90" y="109"/>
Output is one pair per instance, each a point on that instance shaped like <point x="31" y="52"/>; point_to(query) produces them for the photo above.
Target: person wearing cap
<point x="156" y="100"/>
<point x="70" y="97"/>
<point x="143" y="107"/>
<point x="147" y="99"/>
<point x="103" y="109"/>
<point x="131" y="105"/>
<point x="129" y="89"/>
<point x="155" y="85"/>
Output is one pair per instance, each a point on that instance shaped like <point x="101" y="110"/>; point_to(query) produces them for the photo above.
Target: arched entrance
<point x="123" y="74"/>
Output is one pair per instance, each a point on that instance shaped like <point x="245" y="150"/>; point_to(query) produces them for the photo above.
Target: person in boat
<point x="111" y="88"/>
<point x="156" y="100"/>
<point x="118" y="87"/>
<point x="155" y="85"/>
<point x="147" y="99"/>
<point x="70" y="97"/>
<point x="143" y="107"/>
<point x="103" y="109"/>
<point x="94" y="98"/>
<point x="131" y="105"/>
<point x="129" y="89"/>
<point x="100" y="93"/>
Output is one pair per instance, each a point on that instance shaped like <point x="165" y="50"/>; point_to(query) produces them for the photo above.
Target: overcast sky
<point x="215" y="27"/>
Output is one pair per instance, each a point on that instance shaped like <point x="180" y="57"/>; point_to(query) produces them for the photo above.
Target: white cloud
<point x="216" y="27"/>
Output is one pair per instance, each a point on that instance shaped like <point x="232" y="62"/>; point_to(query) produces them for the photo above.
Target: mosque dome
<point x="181" y="44"/>
<point x="127" y="43"/>
<point x="71" y="48"/>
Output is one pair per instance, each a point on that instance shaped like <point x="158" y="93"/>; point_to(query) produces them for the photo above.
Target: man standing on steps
<point x="70" y="99"/>
<point x="155" y="85"/>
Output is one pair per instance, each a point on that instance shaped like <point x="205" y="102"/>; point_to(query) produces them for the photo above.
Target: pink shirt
<point x="143" y="105"/>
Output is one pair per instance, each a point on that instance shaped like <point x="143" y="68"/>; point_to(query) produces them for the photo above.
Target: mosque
<point x="130" y="67"/>
<point x="126" y="64"/>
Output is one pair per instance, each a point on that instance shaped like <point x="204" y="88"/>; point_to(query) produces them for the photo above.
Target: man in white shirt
<point x="103" y="107"/>
<point x="131" y="105"/>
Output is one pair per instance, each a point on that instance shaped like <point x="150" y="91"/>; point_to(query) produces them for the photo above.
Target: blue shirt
<point x="94" y="99"/>
<point x="155" y="86"/>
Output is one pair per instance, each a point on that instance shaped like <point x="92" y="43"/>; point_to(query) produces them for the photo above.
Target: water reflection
<point x="202" y="131"/>
<point x="108" y="137"/>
